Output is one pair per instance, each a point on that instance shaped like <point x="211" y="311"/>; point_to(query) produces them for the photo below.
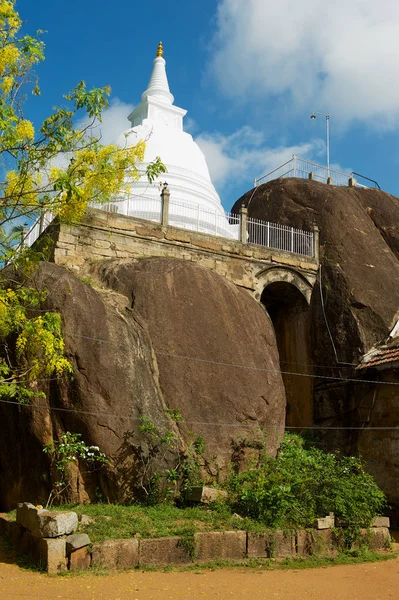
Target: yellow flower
<point x="24" y="131"/>
<point x="9" y="56"/>
<point x="7" y="84"/>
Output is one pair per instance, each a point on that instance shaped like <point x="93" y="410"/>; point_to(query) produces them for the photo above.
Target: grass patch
<point x="97" y="571"/>
<point x="164" y="520"/>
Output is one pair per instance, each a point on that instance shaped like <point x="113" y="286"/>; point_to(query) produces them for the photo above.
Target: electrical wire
<point x="203" y="423"/>
<point x="326" y="321"/>
<point x="251" y="368"/>
<point x="275" y="371"/>
<point x="285" y="362"/>
<point x="233" y="366"/>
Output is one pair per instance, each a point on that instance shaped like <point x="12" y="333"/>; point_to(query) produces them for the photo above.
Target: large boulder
<point x="359" y="237"/>
<point x="152" y="335"/>
<point x="359" y="254"/>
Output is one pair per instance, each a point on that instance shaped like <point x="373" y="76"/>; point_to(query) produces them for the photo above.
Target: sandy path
<point x="371" y="581"/>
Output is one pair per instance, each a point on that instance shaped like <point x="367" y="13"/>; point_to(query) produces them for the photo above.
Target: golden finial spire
<point x="160" y="49"/>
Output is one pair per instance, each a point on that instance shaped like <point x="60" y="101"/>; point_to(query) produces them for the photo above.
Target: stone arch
<point x="304" y="283"/>
<point x="285" y="295"/>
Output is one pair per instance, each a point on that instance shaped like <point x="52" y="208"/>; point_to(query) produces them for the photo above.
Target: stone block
<point x="206" y="261"/>
<point x="51" y="524"/>
<point x="262" y="252"/>
<point x="85" y="240"/>
<point x="340" y="522"/>
<point x="321" y="542"/>
<point x="228" y="248"/>
<point x="24" y="545"/>
<point x="102" y="244"/>
<point x="166" y="551"/>
<point x="207" y="494"/>
<point x="228" y="545"/>
<point x="304" y="543"/>
<point x="85" y="520"/>
<point x="325" y="522"/>
<point x="237" y="271"/>
<point x="177" y="236"/>
<point x="65" y="246"/>
<point x="76" y="541"/>
<point x="66" y="238"/>
<point x="30" y="545"/>
<point x="72" y="230"/>
<point x="376" y="538"/>
<point x="149" y="232"/>
<point x="270" y="545"/>
<point x="381" y="522"/>
<point x="14" y="533"/>
<point x="59" y="253"/>
<point x="102" y="252"/>
<point x="116" y="554"/>
<point x="25" y="510"/>
<point x="79" y="559"/>
<point x="53" y="554"/>
<point x="247" y="252"/>
<point x="208" y="245"/>
<point x="4" y="522"/>
<point x="308" y="265"/>
<point x="285" y="260"/>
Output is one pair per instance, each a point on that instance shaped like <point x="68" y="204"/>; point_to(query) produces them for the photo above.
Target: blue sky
<point x="249" y="73"/>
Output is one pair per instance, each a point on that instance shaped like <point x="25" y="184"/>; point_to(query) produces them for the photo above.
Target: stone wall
<point x="102" y="235"/>
<point x="52" y="554"/>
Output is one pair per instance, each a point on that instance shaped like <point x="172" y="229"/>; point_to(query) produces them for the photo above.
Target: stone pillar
<point x="41" y="221"/>
<point x="352" y="182"/>
<point x="24" y="234"/>
<point x="243" y="212"/>
<point x="316" y="242"/>
<point x="165" y="195"/>
<point x="311" y="175"/>
<point x="329" y="180"/>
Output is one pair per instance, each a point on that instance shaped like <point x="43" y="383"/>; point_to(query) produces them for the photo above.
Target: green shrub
<point x="303" y="483"/>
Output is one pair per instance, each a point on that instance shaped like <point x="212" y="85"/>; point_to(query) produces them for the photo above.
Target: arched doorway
<point x="288" y="309"/>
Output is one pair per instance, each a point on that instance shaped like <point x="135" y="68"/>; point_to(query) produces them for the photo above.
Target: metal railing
<point x="195" y="218"/>
<point x="37" y="228"/>
<point x="303" y="168"/>
<point x="132" y="205"/>
<point x="281" y="237"/>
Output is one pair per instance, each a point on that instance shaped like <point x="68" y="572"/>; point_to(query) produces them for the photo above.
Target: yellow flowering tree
<point x="59" y="168"/>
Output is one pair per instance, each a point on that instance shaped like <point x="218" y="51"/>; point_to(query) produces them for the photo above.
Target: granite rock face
<point x="359" y="238"/>
<point x="359" y="254"/>
<point x="154" y="334"/>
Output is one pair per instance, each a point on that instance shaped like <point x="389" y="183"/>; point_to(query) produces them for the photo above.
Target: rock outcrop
<point x="359" y="236"/>
<point x="152" y="335"/>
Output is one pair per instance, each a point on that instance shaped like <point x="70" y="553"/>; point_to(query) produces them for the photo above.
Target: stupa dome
<point x="160" y="123"/>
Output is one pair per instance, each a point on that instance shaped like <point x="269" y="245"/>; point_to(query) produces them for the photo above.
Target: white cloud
<point x="114" y="122"/>
<point x="243" y="155"/>
<point x="190" y="125"/>
<point x="341" y="57"/>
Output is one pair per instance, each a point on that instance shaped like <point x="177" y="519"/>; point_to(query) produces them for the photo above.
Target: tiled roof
<point x="381" y="356"/>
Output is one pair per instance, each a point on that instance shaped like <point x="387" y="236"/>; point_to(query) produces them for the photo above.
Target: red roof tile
<point x="381" y="357"/>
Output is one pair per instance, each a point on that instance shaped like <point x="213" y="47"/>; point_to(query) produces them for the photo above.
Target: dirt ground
<point x="371" y="581"/>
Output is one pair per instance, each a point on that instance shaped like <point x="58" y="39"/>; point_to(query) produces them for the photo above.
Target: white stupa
<point x="194" y="202"/>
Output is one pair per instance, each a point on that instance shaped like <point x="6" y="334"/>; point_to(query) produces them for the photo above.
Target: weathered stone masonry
<point x="103" y="235"/>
